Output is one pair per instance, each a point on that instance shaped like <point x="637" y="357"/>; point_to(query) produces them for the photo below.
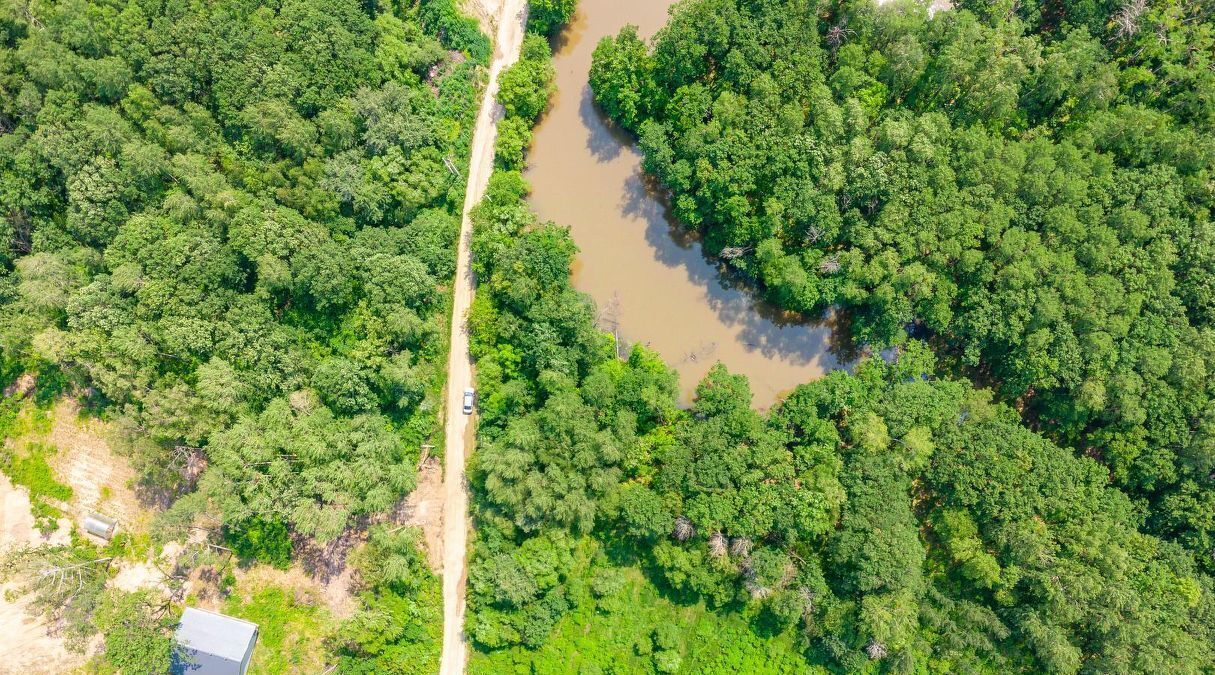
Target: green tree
<point x="620" y="77"/>
<point x="548" y="16"/>
<point x="137" y="628"/>
<point x="524" y="88"/>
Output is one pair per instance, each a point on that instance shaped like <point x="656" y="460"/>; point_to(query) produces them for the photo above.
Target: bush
<point x="607" y="581"/>
<point x="548" y="16"/>
<point x="456" y="30"/>
<point x="343" y="385"/>
<point x="667" y="661"/>
<point x="666" y="636"/>
<point x="526" y="87"/>
<point x="265" y="541"/>
<point x="514" y="137"/>
<point x="136" y="630"/>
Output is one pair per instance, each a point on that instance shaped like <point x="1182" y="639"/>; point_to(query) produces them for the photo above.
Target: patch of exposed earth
<point x="101" y="480"/>
<point x="485" y="12"/>
<point x="26" y="646"/>
<point x="423" y="508"/>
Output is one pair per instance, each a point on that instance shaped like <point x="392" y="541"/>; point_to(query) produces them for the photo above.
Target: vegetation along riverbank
<point x="228" y="237"/>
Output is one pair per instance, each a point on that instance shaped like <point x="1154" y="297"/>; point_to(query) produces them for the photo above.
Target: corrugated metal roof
<point x="222" y="636"/>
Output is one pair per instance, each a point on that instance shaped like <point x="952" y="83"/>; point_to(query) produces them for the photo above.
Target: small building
<point x="100" y="526"/>
<point x="208" y="643"/>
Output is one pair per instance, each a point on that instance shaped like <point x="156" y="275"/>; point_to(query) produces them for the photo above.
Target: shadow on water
<point x="765" y="327"/>
<point x="607" y="140"/>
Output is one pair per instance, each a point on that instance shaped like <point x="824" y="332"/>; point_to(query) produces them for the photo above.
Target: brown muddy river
<point x="647" y="276"/>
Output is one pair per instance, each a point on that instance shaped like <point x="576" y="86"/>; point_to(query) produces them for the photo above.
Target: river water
<point x="648" y="277"/>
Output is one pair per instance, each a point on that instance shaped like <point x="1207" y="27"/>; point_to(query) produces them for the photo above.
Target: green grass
<point x="291" y="632"/>
<point x="30" y="468"/>
<point x="23" y="458"/>
<point x="22" y="421"/>
<point x="614" y="634"/>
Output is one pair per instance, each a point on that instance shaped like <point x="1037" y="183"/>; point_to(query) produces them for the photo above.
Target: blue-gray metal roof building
<point x="212" y="644"/>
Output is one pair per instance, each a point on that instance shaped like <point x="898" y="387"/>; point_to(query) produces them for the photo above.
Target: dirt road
<point x="510" y="20"/>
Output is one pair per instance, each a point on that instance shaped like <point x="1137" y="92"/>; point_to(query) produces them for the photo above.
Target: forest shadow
<point x="735" y="298"/>
<point x="327" y="561"/>
<point x="605" y="140"/>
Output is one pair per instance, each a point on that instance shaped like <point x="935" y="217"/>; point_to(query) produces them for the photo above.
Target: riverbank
<point x="649" y="279"/>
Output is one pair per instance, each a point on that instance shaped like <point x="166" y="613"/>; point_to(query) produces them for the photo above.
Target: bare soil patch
<point x="101" y="479"/>
<point x="100" y="482"/>
<point x="24" y="386"/>
<point x="17" y="521"/>
<point x="423" y="508"/>
<point x="27" y="647"/>
<point x="326" y="570"/>
<point x="485" y="12"/>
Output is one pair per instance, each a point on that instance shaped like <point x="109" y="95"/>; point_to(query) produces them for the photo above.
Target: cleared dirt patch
<point x="485" y="12"/>
<point x="17" y="521"/>
<point x="25" y="644"/>
<point x="307" y="590"/>
<point x="100" y="478"/>
<point x="80" y="457"/>
<point x="423" y="508"/>
<point x="26" y="647"/>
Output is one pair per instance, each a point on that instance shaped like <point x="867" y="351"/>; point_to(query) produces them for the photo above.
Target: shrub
<point x="456" y="30"/>
<point x="265" y="541"/>
<point x="548" y="16"/>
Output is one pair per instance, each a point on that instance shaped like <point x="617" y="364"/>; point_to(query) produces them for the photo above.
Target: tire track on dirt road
<point x="510" y="21"/>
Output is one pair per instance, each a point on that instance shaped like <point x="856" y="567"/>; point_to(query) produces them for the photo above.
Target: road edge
<point x="511" y="24"/>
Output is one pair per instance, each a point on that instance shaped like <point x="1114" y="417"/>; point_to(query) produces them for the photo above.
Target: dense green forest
<point x="1026" y="185"/>
<point x="231" y="225"/>
<point x="883" y="520"/>
<point x="896" y="517"/>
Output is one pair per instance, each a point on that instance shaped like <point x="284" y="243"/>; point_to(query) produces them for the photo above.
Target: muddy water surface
<point x="648" y="277"/>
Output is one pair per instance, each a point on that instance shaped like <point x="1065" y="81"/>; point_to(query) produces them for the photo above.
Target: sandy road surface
<point x="510" y="21"/>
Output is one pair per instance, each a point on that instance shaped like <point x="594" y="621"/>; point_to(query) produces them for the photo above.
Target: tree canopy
<point x="235" y="222"/>
<point x="1026" y="185"/>
<point x="897" y="517"/>
<point x="231" y="227"/>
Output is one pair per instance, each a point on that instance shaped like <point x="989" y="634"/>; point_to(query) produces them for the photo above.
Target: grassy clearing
<point x="24" y="458"/>
<point x="23" y="422"/>
<point x="30" y="468"/>
<point x="292" y="626"/>
<point x="633" y="628"/>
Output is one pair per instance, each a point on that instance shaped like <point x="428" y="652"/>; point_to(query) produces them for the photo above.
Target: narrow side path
<point x="511" y="19"/>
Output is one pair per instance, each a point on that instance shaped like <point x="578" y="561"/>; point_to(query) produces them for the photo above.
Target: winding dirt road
<point x="510" y="18"/>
